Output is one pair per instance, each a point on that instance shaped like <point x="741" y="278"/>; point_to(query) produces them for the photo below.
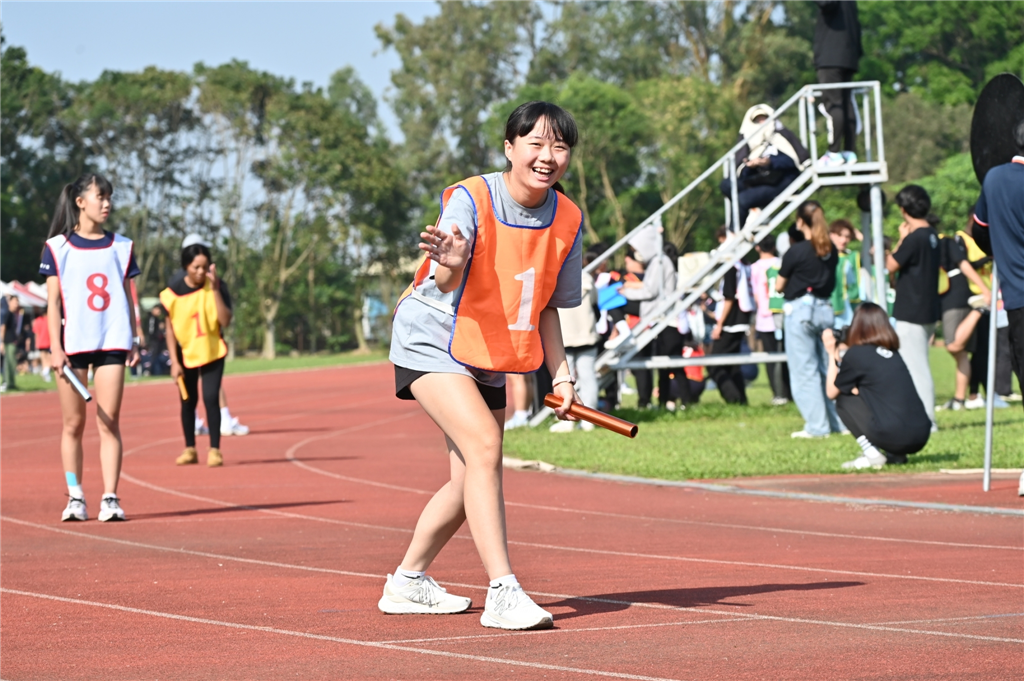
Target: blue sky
<point x="306" y="41"/>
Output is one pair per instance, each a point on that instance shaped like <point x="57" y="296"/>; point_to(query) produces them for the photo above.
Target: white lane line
<point x="334" y="639"/>
<point x="290" y="455"/>
<point x="477" y="587"/>
<point x="959" y="619"/>
<point x="189" y="552"/>
<point x="604" y="552"/>
<point x="508" y="634"/>
<point x="771" y="566"/>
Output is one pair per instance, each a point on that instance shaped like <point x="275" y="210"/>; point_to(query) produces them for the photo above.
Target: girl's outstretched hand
<point x="447" y="250"/>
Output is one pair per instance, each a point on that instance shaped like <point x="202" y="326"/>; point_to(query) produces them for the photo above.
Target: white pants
<point x="914" y="351"/>
<point x="581" y="365"/>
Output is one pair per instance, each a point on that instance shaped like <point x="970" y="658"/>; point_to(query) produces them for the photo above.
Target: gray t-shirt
<point x="420" y="334"/>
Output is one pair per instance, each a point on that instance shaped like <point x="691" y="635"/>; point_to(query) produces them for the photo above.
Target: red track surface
<point x="271" y="567"/>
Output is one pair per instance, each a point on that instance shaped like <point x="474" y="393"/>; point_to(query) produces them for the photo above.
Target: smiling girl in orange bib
<point x="505" y="253"/>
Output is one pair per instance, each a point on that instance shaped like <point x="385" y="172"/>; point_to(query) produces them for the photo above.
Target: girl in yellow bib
<point x="505" y="253"/>
<point x="197" y="310"/>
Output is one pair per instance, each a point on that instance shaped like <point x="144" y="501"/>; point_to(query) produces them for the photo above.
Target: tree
<point x="138" y="125"/>
<point x="38" y="156"/>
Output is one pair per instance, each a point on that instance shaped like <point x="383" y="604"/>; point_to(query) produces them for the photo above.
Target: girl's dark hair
<point x="669" y="249"/>
<point x="189" y="253"/>
<point x="525" y="118"/>
<point x="871" y="326"/>
<point x="65" y="215"/>
<point x="767" y="245"/>
<point x="812" y="215"/>
<point x="915" y="200"/>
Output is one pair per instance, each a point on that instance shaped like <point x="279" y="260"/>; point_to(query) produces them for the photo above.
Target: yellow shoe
<point x="190" y="455"/>
<point x="214" y="459"/>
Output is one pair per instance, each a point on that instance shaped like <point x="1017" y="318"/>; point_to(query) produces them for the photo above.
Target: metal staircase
<point x="871" y="171"/>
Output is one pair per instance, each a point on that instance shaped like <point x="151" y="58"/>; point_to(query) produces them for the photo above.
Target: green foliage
<point x="954" y="190"/>
<point x="940" y="50"/>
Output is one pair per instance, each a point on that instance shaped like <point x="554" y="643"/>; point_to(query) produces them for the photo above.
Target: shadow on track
<point x="233" y="509"/>
<point x="681" y="598"/>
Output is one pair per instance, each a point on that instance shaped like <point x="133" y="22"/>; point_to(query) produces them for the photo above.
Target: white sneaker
<point x="110" y="509"/>
<point x="864" y="461"/>
<point x="233" y="427"/>
<point x="779" y="401"/>
<point x="508" y="607"/>
<point x="421" y="596"/>
<point x="979" y="403"/>
<point x="1020" y="486"/>
<point x="563" y="427"/>
<point x="587" y="426"/>
<point x="804" y="435"/>
<point x="1012" y="397"/>
<point x="517" y="422"/>
<point x="74" y="511"/>
<point x="831" y="159"/>
<point x="201" y="428"/>
<point x="952" y="405"/>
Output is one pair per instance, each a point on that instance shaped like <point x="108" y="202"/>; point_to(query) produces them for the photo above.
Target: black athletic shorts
<point x="98" y="358"/>
<point x="494" y="397"/>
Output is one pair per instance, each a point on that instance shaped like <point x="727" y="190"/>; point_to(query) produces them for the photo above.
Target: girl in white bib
<point x="88" y="272"/>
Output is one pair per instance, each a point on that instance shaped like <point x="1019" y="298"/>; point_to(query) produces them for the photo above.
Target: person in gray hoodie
<point x="659" y="281"/>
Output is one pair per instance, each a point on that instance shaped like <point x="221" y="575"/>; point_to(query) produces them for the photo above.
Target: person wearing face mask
<point x="504" y="255"/>
<point x="806" y="279"/>
<point x="769" y="161"/>
<point x="197" y="310"/>
<point x="659" y="279"/>
<point x="92" y="322"/>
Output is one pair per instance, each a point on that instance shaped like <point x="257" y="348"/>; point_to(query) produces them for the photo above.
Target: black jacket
<point x="837" y="36"/>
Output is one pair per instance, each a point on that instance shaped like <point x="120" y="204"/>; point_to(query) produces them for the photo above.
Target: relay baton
<point x="182" y="389"/>
<point x="598" y="418"/>
<point x="76" y="384"/>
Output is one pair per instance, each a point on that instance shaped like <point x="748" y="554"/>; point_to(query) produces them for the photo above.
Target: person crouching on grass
<point x="196" y="312"/>
<point x="504" y="254"/>
<point x="874" y="393"/>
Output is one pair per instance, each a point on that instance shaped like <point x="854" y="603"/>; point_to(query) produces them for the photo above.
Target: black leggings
<point x="856" y="415"/>
<point x="212" y="374"/>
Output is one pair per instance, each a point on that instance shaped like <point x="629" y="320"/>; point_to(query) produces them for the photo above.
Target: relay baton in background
<point x="598" y="418"/>
<point x="69" y="374"/>
<point x="182" y="389"/>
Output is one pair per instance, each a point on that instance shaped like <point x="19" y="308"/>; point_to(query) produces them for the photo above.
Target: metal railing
<point x="871" y="171"/>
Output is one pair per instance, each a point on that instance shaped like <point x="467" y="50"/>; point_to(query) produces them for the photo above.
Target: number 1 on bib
<point x="525" y="302"/>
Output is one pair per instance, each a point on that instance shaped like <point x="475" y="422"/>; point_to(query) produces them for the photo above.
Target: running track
<point x="271" y="567"/>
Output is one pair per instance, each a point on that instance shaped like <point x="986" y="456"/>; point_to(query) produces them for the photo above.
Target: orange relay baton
<point x="598" y="418"/>
<point x="182" y="389"/>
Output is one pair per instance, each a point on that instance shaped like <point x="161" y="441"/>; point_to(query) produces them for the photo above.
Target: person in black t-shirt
<point x="732" y="324"/>
<point x="956" y="310"/>
<point x="806" y="279"/>
<point x="917" y="308"/>
<point x="874" y="393"/>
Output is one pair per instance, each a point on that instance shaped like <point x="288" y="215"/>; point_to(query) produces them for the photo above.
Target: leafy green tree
<point x="38" y="156"/>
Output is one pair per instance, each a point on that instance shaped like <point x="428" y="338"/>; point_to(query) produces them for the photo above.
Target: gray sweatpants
<point x="581" y="365"/>
<point x="914" y="351"/>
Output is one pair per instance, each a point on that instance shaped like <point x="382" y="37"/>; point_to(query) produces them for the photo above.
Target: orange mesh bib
<point x="511" y="275"/>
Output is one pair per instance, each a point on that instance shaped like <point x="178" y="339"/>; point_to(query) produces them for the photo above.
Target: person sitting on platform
<point x="767" y="164"/>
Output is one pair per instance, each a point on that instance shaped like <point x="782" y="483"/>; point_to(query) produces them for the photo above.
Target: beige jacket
<point x="578" y="323"/>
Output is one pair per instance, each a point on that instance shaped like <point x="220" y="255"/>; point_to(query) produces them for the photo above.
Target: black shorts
<point x="493" y="397"/>
<point x="98" y="358"/>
